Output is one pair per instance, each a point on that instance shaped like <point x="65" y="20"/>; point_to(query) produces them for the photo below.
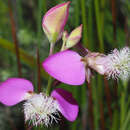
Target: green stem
<point x="49" y="86"/>
<point x="123" y="103"/>
<point x="51" y="48"/>
<point x="84" y="21"/>
<point x="99" y="24"/>
<point x="50" y="78"/>
<point x="63" y="45"/>
<point x="77" y="13"/>
<point x="95" y="95"/>
<point x="90" y="27"/>
<point x="124" y="127"/>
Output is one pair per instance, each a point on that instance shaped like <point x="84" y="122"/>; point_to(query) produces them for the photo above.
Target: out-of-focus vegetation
<point x="104" y="104"/>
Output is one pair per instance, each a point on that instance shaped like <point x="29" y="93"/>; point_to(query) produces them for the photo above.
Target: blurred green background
<point x="104" y="104"/>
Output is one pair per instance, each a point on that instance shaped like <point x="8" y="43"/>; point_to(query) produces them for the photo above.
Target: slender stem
<point x="101" y="107"/>
<point x="123" y="109"/>
<point x="124" y="127"/>
<point x="90" y="27"/>
<point x="108" y="96"/>
<point x="49" y="85"/>
<point x="50" y="78"/>
<point x="113" y="4"/>
<point x="123" y="103"/>
<point x="126" y="31"/>
<point x="84" y="21"/>
<point x="90" y="107"/>
<point x="77" y="13"/>
<point x="102" y="115"/>
<point x="39" y="34"/>
<point x="51" y="48"/>
<point x="63" y="45"/>
<point x="99" y="24"/>
<point x="38" y="71"/>
<point x="116" y="94"/>
<point x="15" y="38"/>
<point x="95" y="103"/>
<point x="20" y="13"/>
<point x="83" y="97"/>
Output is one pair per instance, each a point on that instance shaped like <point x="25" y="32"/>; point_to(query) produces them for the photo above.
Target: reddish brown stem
<point x="15" y="38"/>
<point x="38" y="71"/>
<point x="108" y="97"/>
<point x="127" y="31"/>
<point x="115" y="94"/>
<point x="102" y="115"/>
<point x="90" y="107"/>
<point x="113" y="4"/>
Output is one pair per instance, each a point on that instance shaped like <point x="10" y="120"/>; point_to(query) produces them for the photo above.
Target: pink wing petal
<point x="12" y="91"/>
<point x="68" y="105"/>
<point x="66" y="67"/>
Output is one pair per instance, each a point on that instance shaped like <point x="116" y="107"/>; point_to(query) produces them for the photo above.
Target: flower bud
<point x="74" y="37"/>
<point x="54" y="21"/>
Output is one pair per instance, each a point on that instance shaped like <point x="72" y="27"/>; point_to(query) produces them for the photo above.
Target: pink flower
<point x="70" y="68"/>
<point x="66" y="66"/>
<point x="54" y="21"/>
<point x="38" y="108"/>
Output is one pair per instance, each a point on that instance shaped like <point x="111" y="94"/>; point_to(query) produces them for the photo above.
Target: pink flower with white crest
<point x="38" y="108"/>
<point x="71" y="68"/>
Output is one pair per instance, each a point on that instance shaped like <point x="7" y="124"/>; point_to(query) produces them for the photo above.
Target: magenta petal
<point x="13" y="90"/>
<point x="68" y="105"/>
<point x="66" y="67"/>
